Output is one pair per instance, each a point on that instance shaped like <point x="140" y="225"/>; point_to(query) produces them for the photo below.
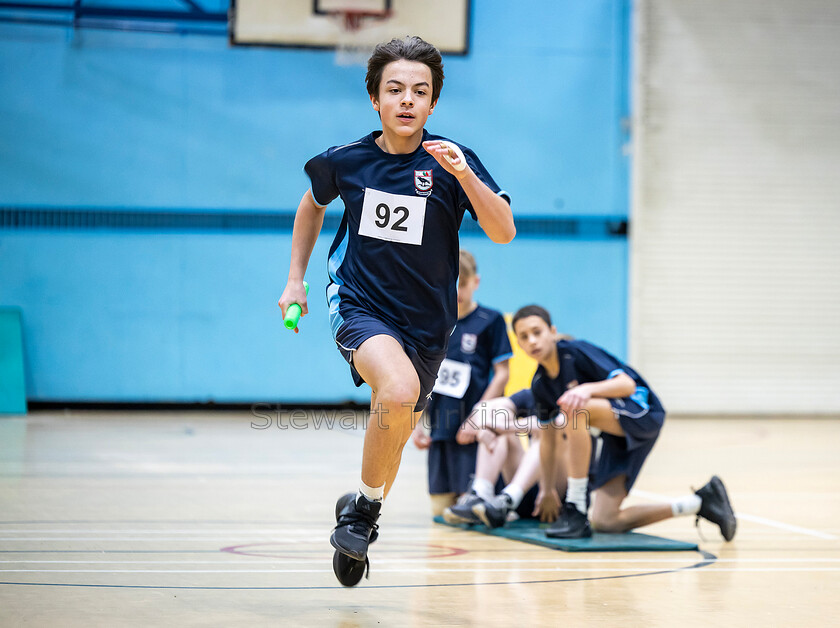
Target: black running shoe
<point x="356" y="526"/>
<point x="349" y="571"/>
<point x="571" y="524"/>
<point x="493" y="512"/>
<point x="716" y="508"/>
<point x="343" y="502"/>
<point x="461" y="512"/>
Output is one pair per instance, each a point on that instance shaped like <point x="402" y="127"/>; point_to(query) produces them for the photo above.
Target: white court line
<point x="400" y="561"/>
<point x="507" y="570"/>
<point x="285" y="540"/>
<point x="306" y="531"/>
<point x="767" y="522"/>
<point x="291" y="533"/>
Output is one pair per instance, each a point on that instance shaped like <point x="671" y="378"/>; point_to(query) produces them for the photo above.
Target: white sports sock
<point x="576" y="492"/>
<point x="483" y="488"/>
<point x="515" y="493"/>
<point x="372" y="494"/>
<point x="688" y="505"/>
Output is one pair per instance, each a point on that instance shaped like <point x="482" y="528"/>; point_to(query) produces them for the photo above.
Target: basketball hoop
<point x="353" y="20"/>
<point x="359" y="32"/>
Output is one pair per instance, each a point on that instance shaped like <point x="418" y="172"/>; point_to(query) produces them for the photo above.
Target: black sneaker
<point x="349" y="571"/>
<point x="493" y="513"/>
<point x="571" y="524"/>
<point x="716" y="508"/>
<point x="461" y="512"/>
<point x="356" y="526"/>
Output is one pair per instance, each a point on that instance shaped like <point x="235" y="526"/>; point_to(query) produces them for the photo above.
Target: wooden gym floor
<point x="191" y="518"/>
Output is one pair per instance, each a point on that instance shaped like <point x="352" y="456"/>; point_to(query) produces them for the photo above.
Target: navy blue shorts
<point x="613" y="455"/>
<point x="359" y="326"/>
<point x="451" y="466"/>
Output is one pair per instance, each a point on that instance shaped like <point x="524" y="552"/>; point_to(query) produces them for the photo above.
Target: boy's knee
<point x="399" y="392"/>
<point x="606" y="522"/>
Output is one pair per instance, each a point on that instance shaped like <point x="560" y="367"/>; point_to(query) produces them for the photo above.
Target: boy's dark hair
<point x="531" y="310"/>
<point x="410" y="48"/>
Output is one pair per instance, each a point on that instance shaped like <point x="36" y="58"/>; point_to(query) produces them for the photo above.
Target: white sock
<point x="372" y="494"/>
<point x="515" y="493"/>
<point x="688" y="505"/>
<point x="483" y="488"/>
<point x="576" y="492"/>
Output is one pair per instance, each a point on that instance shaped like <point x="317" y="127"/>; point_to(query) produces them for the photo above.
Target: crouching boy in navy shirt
<point x="578" y="385"/>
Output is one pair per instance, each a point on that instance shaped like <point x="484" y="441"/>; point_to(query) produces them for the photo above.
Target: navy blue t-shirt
<point x="395" y="255"/>
<point x="581" y="362"/>
<point x="523" y="402"/>
<point x="480" y="341"/>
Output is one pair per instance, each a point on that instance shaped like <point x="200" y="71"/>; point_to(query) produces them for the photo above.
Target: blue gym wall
<point x="94" y="121"/>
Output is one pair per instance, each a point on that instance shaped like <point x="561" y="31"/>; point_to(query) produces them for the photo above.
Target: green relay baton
<point x="293" y="312"/>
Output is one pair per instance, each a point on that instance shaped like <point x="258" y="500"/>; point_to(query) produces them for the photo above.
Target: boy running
<point x="393" y="265"/>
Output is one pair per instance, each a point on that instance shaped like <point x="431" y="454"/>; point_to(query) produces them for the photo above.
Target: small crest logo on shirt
<point x="468" y="343"/>
<point x="423" y="182"/>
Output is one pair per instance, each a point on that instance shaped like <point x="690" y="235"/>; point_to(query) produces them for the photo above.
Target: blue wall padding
<point x="160" y="122"/>
<point x="12" y="374"/>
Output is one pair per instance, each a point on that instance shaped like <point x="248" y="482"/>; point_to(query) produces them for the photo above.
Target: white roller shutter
<point x="735" y="243"/>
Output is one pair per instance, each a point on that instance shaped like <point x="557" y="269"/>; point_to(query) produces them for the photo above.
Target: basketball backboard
<point x="350" y="23"/>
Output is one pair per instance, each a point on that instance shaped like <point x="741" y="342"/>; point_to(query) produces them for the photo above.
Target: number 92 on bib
<point x="453" y="379"/>
<point x="393" y="217"/>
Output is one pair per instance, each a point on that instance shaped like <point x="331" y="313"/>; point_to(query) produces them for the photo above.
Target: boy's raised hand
<point x="575" y="399"/>
<point x="449" y="156"/>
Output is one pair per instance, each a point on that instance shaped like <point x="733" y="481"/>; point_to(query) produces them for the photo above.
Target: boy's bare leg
<point x="573" y="521"/>
<point x="395" y="465"/>
<point x="609" y="516"/>
<point x="598" y="413"/>
<point x="580" y="446"/>
<point x="383" y="364"/>
<point x="489" y="464"/>
<point x="515" y="455"/>
<point x="528" y="468"/>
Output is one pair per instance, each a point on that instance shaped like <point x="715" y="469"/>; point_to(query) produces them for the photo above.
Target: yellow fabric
<point x="522" y="367"/>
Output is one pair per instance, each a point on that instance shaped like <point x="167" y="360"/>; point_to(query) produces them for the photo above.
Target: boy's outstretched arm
<point x="309" y="219"/>
<point x="493" y="212"/>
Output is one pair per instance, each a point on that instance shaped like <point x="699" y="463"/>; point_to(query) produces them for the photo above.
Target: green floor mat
<point x="531" y="531"/>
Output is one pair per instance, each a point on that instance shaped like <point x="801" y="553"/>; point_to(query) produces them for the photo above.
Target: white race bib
<point x="393" y="217"/>
<point x="453" y="379"/>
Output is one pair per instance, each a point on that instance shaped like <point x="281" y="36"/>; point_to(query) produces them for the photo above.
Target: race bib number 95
<point x="453" y="379"/>
<point x="393" y="217"/>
